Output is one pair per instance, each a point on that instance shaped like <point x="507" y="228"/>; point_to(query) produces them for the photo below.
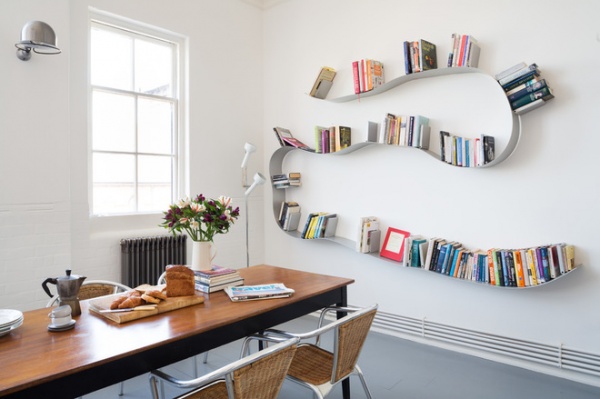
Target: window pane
<point x="154" y="179"/>
<point x="153" y="68"/>
<point x="114" y="183"/>
<point x="112" y="61"/>
<point x="113" y="122"/>
<point x="155" y="126"/>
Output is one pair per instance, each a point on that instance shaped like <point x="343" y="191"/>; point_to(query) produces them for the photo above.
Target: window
<point x="135" y="118"/>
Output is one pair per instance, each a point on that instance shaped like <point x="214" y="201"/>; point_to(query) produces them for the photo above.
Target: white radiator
<point x="585" y="366"/>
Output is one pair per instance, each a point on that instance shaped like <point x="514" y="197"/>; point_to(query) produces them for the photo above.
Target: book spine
<point x="407" y="64"/>
<point x="515" y="83"/>
<point x="356" y="77"/>
<point x="543" y="94"/>
<point x="518" y="74"/>
<point x="529" y="88"/>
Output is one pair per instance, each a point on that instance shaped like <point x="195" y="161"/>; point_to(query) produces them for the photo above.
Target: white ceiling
<point x="263" y="4"/>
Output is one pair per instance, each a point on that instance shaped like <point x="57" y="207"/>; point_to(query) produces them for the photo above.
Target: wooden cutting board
<point x="103" y="303"/>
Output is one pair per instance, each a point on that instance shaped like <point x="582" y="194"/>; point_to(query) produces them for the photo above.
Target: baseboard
<point x="559" y="361"/>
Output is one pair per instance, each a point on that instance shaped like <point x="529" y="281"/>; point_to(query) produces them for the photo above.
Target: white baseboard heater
<point x="502" y="348"/>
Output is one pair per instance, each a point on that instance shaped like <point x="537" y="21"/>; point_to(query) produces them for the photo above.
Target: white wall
<point x="45" y="225"/>
<point x="545" y="193"/>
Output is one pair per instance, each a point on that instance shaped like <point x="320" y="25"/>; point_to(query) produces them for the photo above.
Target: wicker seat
<point x="259" y="375"/>
<point x="320" y="369"/>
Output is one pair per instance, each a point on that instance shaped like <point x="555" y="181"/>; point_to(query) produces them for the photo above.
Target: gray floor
<point x="396" y="368"/>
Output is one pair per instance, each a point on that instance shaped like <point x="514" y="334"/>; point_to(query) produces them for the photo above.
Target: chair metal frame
<point x="227" y="373"/>
<point x="352" y="314"/>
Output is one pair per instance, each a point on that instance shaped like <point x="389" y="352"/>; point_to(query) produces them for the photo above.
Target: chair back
<point x="93" y="289"/>
<point x="259" y="375"/>
<point x="263" y="377"/>
<point x="349" y="338"/>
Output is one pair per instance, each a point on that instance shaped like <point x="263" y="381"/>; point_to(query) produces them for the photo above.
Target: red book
<point x="356" y="77"/>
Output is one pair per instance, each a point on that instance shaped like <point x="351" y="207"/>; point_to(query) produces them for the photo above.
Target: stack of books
<point x="466" y="152"/>
<point x="419" y="56"/>
<point x="320" y="225"/>
<point x="216" y="279"/>
<point x="368" y="74"/>
<point x="369" y="235"/>
<point x="332" y="139"/>
<point x="524" y="87"/>
<point x="294" y="179"/>
<point x="289" y="215"/>
<point x="286" y="180"/>
<point x="405" y="130"/>
<point x="465" y="51"/>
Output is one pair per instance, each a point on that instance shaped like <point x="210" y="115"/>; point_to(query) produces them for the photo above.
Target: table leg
<point x="344" y="302"/>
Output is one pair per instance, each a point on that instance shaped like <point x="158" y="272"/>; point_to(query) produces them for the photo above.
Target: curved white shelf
<point x="405" y="79"/>
<point x="276" y="162"/>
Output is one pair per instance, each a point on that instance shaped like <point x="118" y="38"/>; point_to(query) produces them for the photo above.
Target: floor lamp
<point x="258" y="180"/>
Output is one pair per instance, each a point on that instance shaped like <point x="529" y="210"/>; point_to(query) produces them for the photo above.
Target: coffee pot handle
<point x="45" y="287"/>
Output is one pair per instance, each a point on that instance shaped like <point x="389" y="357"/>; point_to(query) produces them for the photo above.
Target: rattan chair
<point x="320" y="369"/>
<point x="259" y="375"/>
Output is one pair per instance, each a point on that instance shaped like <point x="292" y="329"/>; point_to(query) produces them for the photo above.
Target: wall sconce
<point x="37" y="36"/>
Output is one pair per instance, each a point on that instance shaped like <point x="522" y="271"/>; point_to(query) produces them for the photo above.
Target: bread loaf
<point x="180" y="281"/>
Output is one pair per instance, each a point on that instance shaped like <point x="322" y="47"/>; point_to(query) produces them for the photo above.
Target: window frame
<point x="178" y="98"/>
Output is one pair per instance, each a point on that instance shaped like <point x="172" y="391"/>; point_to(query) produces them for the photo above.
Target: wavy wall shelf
<point x="276" y="161"/>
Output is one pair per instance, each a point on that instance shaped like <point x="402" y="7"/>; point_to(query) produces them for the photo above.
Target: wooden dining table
<point x="98" y="352"/>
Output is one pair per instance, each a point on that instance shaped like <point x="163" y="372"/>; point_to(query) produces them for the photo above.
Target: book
<point x="529" y="70"/>
<point x="489" y="148"/>
<point x="427" y="55"/>
<point x="255" y="292"/>
<point x="407" y="63"/>
<point x="510" y="70"/>
<point x="529" y="88"/>
<point x="367" y="223"/>
<point x="356" y="77"/>
<point x="394" y="244"/>
<point x="545" y="93"/>
<point x="523" y="79"/>
<point x="473" y="55"/>
<point x="206" y="288"/>
<point x="218" y="279"/>
<point x="523" y="85"/>
<point x="530" y="107"/>
<point x="214" y="271"/>
<point x="288" y="139"/>
<point x="323" y="83"/>
<point x="345" y="135"/>
<point x="415" y="57"/>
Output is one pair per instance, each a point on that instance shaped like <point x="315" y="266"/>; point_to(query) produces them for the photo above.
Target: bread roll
<point x="156" y="294"/>
<point x="150" y="299"/>
<point x="180" y="281"/>
<point x="131" y="302"/>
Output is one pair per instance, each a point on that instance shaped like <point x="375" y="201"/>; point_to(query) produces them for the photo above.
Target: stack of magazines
<point x="216" y="279"/>
<point x="253" y="292"/>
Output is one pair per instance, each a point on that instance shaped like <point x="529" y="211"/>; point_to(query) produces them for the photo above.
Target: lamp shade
<point x="258" y="180"/>
<point x="249" y="148"/>
<point x="39" y="37"/>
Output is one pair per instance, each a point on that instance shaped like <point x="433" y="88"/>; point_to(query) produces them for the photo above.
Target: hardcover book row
<point x="523" y="267"/>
